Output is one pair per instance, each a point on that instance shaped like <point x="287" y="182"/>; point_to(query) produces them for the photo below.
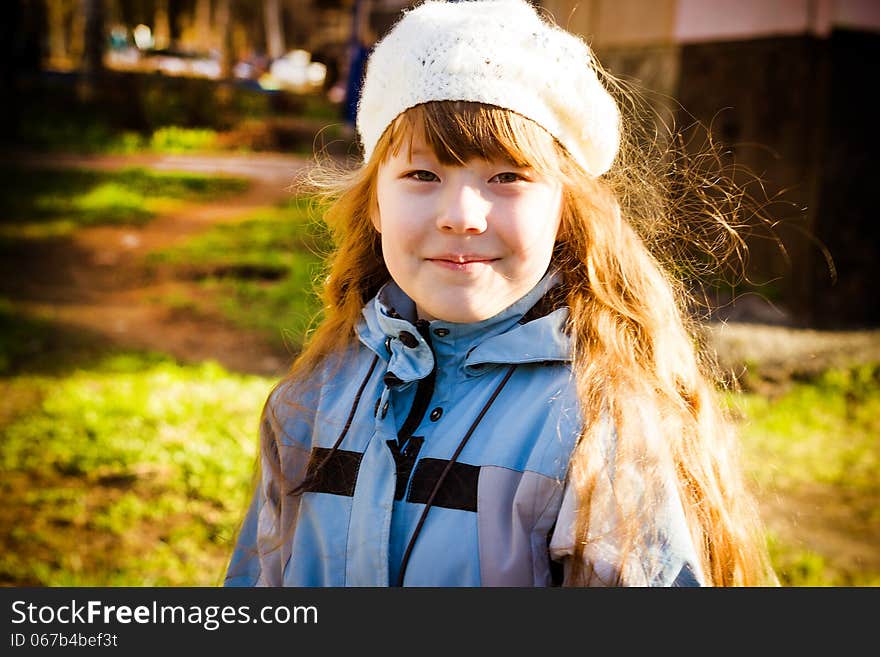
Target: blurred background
<point x="156" y="265"/>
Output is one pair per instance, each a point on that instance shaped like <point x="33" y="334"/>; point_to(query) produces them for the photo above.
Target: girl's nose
<point x="462" y="210"/>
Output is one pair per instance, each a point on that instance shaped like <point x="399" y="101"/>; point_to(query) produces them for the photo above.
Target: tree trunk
<point x="274" y="28"/>
<point x="56" y="12"/>
<point x="303" y="23"/>
<point x="93" y="36"/>
<point x="204" y="37"/>
<point x="19" y="53"/>
<point x="162" y="26"/>
<point x="223" y="30"/>
<point x="175" y="11"/>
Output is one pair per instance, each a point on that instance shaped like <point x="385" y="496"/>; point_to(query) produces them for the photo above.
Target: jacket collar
<point x="528" y="331"/>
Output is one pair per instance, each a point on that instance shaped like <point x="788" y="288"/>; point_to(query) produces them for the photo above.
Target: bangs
<point x="458" y="131"/>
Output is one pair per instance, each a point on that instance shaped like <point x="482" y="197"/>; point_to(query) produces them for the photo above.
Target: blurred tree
<point x="76" y="30"/>
<point x="175" y="11"/>
<point x="223" y="22"/>
<point x="76" y="34"/>
<point x="302" y="23"/>
<point x="58" y="16"/>
<point x="274" y="29"/>
<point x="21" y="34"/>
<point x="162" y="26"/>
<point x="203" y="31"/>
<point x="93" y="36"/>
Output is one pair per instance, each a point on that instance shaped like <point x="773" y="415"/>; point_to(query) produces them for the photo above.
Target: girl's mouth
<point x="461" y="262"/>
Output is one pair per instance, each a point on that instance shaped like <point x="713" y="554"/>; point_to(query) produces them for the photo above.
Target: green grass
<point x="97" y="138"/>
<point x="119" y="467"/>
<point x="259" y="270"/>
<point x="818" y="444"/>
<point x="819" y="432"/>
<point x="44" y="203"/>
<point x="132" y="471"/>
<point x="175" y="139"/>
<point x="249" y="135"/>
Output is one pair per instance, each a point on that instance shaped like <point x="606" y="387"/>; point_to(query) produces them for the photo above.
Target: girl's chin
<point x="458" y="313"/>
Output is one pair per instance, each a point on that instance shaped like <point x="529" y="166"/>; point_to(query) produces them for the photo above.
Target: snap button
<point x="441" y="332"/>
<point x="436" y="413"/>
<point x="384" y="410"/>
<point x="408" y="339"/>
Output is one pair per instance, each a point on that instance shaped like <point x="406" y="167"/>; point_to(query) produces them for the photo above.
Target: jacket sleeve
<point x="665" y="557"/>
<point x="244" y="566"/>
<point x="263" y="545"/>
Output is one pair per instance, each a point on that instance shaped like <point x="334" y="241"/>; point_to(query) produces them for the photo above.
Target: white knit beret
<point x="497" y="52"/>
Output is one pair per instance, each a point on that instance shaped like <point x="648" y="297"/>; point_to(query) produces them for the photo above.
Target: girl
<point x="504" y="389"/>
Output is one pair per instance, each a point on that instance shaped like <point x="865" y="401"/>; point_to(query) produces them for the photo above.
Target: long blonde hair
<point x="636" y="355"/>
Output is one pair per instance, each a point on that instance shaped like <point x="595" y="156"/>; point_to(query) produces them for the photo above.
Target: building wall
<point x="753" y="96"/>
<point x="721" y="20"/>
<point x="846" y="206"/>
<point x="702" y="21"/>
<point x="613" y="23"/>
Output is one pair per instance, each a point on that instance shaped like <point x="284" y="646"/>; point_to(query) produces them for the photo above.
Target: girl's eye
<point x="423" y="176"/>
<point x="507" y="177"/>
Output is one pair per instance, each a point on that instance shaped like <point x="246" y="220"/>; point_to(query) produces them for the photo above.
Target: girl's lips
<point x="462" y="259"/>
<point x="461" y="263"/>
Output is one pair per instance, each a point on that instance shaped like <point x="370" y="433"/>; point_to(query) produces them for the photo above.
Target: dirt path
<point x="98" y="279"/>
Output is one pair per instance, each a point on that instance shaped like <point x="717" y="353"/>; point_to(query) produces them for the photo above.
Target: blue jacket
<point x="435" y="455"/>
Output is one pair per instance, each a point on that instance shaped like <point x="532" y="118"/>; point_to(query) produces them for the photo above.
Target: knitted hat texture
<point x="497" y="52"/>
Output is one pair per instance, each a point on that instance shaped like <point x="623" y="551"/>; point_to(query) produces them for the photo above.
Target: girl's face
<point x="464" y="242"/>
